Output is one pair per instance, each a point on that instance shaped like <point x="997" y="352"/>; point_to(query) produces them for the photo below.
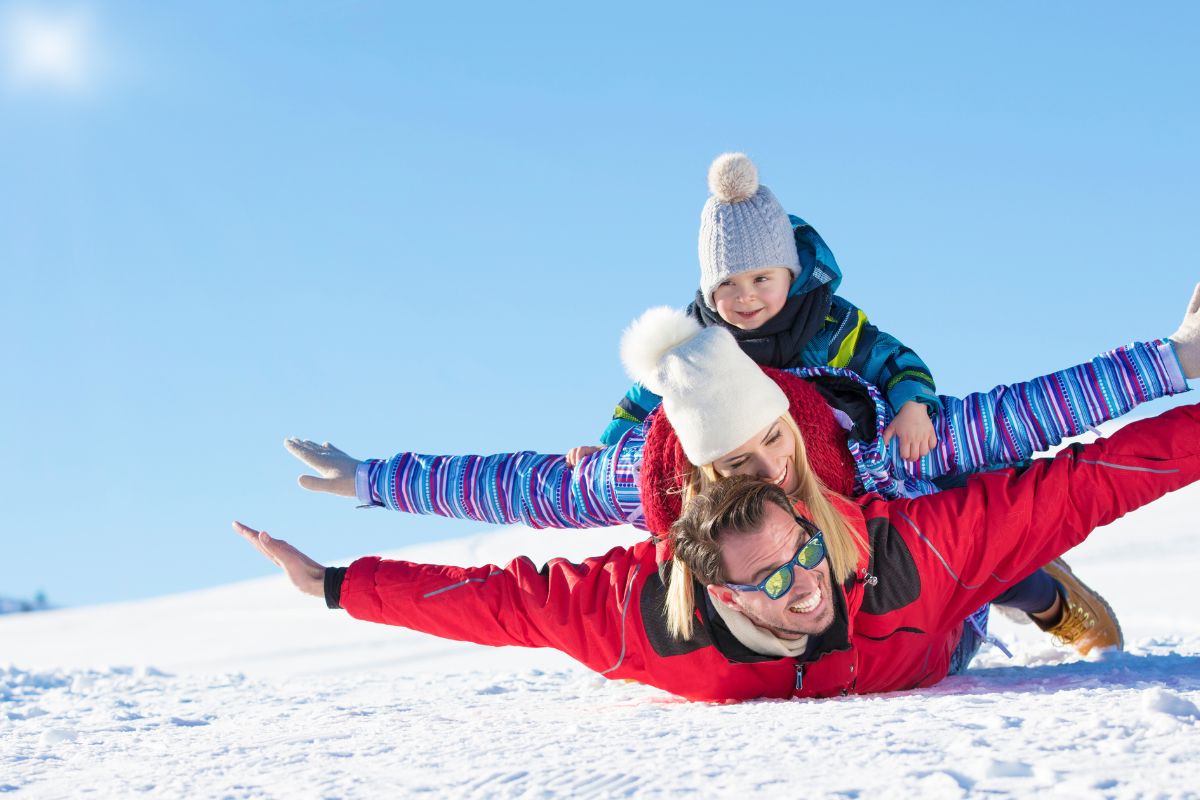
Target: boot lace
<point x="1075" y="623"/>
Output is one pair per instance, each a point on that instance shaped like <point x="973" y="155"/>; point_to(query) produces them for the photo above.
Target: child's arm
<point x="900" y="373"/>
<point x="630" y="412"/>
<point x="878" y="357"/>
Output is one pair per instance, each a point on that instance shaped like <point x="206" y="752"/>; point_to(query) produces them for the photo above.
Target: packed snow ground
<point x="253" y="690"/>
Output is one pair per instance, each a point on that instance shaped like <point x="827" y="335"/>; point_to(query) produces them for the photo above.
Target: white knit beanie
<point x="742" y="226"/>
<point x="715" y="396"/>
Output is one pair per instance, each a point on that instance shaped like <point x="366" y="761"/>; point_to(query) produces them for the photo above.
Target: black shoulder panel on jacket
<point x="892" y="563"/>
<point x="850" y="397"/>
<point x="654" y="620"/>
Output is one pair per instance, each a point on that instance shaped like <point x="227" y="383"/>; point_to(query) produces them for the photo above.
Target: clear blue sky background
<point x="425" y="228"/>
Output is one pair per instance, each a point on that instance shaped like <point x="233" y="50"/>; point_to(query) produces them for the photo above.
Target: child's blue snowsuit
<point x="815" y="328"/>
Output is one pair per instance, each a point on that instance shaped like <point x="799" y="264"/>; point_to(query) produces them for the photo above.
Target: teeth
<point x="808" y="604"/>
<point x="782" y="475"/>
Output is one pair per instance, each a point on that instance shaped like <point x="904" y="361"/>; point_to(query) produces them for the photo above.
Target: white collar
<point x="759" y="639"/>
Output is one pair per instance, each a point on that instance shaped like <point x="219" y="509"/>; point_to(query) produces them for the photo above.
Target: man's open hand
<point x="307" y="575"/>
<point x="336" y="469"/>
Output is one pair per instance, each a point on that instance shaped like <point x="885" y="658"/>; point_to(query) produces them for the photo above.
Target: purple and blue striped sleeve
<point x="1011" y="423"/>
<point x="527" y="488"/>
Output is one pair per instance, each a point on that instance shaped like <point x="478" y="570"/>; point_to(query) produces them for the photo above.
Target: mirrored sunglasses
<point x="810" y="554"/>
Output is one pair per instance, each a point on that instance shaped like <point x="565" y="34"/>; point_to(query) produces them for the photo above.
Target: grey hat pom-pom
<point x="733" y="178"/>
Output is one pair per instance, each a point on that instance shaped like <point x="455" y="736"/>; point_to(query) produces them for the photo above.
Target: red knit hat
<point x="664" y="465"/>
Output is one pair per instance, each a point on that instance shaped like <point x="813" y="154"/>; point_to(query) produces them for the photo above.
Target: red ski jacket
<point x="933" y="560"/>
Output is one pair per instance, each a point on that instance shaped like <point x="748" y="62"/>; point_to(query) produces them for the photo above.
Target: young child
<point x="770" y="279"/>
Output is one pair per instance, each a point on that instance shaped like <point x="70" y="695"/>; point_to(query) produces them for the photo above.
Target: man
<point x="768" y="620"/>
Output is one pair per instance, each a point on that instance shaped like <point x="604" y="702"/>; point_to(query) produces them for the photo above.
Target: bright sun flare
<point x="46" y="51"/>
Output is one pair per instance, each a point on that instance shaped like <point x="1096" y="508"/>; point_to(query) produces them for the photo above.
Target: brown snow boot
<point x="1087" y="621"/>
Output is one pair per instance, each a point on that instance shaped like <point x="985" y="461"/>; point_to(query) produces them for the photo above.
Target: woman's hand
<point x="305" y="574"/>
<point x="914" y="429"/>
<point x="1187" y="338"/>
<point x="335" y="467"/>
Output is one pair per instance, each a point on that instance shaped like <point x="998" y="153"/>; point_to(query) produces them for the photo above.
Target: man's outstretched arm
<point x="971" y="543"/>
<point x="579" y="609"/>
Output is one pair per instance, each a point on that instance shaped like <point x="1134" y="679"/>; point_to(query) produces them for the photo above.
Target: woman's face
<point x="770" y="455"/>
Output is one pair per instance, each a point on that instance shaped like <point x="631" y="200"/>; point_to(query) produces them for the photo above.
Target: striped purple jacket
<point x="989" y="429"/>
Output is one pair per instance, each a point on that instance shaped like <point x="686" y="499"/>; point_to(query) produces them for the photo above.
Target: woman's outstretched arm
<point x="1010" y="423"/>
<point x="534" y="489"/>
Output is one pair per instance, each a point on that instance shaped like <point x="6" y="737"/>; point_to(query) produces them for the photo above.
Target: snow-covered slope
<point x="253" y="690"/>
<point x="265" y="628"/>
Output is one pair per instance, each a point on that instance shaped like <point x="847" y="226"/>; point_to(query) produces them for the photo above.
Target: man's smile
<point x="809" y="604"/>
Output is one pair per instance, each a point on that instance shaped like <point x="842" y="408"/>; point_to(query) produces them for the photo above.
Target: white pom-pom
<point x="733" y="178"/>
<point x="648" y="339"/>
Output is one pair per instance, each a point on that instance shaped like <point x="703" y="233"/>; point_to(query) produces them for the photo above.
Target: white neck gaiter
<point x="758" y="639"/>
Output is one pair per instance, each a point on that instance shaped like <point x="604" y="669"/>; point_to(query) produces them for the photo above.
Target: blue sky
<point x="424" y="229"/>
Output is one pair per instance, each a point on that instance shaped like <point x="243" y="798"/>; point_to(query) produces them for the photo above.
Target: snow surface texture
<point x="253" y="690"/>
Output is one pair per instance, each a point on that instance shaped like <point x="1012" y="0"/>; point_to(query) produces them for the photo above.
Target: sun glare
<point x="44" y="51"/>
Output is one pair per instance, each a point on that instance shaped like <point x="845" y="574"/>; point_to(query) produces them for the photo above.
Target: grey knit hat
<point x="742" y="226"/>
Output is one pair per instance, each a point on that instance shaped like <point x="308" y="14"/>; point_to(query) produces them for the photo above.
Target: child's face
<point x="749" y="299"/>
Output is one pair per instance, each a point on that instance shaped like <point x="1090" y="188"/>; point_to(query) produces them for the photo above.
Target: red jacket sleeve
<point x="972" y="543"/>
<point x="579" y="609"/>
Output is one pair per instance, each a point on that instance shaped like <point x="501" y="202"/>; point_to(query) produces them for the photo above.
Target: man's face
<point x="807" y="607"/>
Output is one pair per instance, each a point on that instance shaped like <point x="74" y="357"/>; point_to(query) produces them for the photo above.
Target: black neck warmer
<point x="781" y="340"/>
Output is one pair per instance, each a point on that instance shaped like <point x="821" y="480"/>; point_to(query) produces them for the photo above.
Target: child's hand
<point x="335" y="467"/>
<point x="577" y="454"/>
<point x="914" y="429"/>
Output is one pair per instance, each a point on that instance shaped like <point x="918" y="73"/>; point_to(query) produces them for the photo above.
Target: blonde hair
<point x="694" y="535"/>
